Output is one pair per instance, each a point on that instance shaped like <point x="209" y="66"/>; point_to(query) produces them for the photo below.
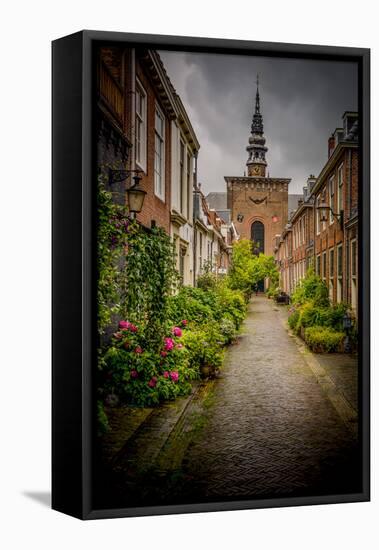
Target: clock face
<point x="256" y="169"/>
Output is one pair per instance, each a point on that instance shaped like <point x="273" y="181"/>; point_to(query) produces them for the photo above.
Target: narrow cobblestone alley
<point x="272" y="429"/>
<point x="269" y="429"/>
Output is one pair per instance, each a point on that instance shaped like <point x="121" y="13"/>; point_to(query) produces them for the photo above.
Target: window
<point x="189" y="186"/>
<point x="331" y="199"/>
<point x="181" y="182"/>
<point x="317" y="217"/>
<point x="331" y="262"/>
<point x="353" y="271"/>
<point x="339" y="273"/>
<point x="159" y="182"/>
<point x="258" y="237"/>
<point x="140" y="126"/>
<point x="318" y="265"/>
<point x="340" y="189"/>
<point x="201" y="251"/>
<point x="331" y="274"/>
<point x="324" y="265"/>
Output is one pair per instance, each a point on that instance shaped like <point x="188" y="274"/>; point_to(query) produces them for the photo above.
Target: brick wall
<point x="272" y="212"/>
<point x="154" y="208"/>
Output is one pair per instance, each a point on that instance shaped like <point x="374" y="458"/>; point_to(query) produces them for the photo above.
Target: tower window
<point x="258" y="237"/>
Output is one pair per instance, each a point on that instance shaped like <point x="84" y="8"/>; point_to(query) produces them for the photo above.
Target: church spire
<point x="256" y="162"/>
<point x="257" y="124"/>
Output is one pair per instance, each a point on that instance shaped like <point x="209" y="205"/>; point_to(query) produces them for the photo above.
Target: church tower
<point x="256" y="162"/>
<point x="258" y="203"/>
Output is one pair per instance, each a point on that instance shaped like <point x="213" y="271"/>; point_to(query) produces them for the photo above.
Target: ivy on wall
<point x="136" y="270"/>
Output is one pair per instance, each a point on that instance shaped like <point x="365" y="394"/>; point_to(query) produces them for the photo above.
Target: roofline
<point x="332" y="160"/>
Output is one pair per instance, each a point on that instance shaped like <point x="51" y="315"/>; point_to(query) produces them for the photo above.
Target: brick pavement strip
<point x="269" y="429"/>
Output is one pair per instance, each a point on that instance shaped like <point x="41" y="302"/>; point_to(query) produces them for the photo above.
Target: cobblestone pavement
<point x="272" y="430"/>
<point x="267" y="428"/>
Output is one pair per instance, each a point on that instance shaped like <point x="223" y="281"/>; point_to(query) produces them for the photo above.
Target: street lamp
<point x="323" y="210"/>
<point x="347" y="323"/>
<point x="135" y="194"/>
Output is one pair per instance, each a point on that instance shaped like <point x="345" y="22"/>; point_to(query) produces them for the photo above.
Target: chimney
<point x="331" y="145"/>
<point x="310" y="182"/>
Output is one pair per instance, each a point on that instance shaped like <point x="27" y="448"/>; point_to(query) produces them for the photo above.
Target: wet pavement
<point x="279" y="422"/>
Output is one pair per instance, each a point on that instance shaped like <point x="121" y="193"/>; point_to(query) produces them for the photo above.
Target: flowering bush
<point x="134" y="373"/>
<point x="205" y="346"/>
<point x="312" y="315"/>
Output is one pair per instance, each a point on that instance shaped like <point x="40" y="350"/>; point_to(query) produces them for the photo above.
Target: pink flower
<point x="179" y="346"/>
<point x="152" y="382"/>
<point x="169" y="344"/>
<point x="176" y="331"/>
<point x="134" y="373"/>
<point x="166" y="374"/>
<point x="133" y="328"/>
<point x="184" y="322"/>
<point x="124" y="325"/>
<point x="174" y="375"/>
<point x="117" y="335"/>
<point x="163" y="353"/>
<point x="138" y="349"/>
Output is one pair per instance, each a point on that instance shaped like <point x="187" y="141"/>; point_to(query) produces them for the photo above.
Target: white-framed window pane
<point x="140" y="127"/>
<point x="159" y="144"/>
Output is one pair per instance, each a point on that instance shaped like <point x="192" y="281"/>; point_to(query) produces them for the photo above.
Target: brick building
<point x="142" y="125"/>
<point x="257" y="202"/>
<point x="324" y="227"/>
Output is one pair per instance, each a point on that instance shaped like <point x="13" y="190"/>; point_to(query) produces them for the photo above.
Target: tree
<point x="248" y="269"/>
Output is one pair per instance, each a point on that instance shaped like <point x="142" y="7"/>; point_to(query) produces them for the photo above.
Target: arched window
<point x="258" y="237"/>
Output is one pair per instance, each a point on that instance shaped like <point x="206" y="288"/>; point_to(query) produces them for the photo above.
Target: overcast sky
<point x="302" y="102"/>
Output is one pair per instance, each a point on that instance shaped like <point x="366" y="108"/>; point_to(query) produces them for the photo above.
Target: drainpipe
<point x="346" y="240"/>
<point x="194" y="209"/>
<point x="133" y="106"/>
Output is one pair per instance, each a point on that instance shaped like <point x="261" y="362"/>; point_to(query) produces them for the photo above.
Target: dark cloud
<point x="302" y="102"/>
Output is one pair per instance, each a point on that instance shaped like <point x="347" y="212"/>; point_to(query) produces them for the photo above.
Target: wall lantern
<point x="347" y="321"/>
<point x="240" y="218"/>
<point x="275" y="218"/>
<point x="324" y="209"/>
<point x="135" y="194"/>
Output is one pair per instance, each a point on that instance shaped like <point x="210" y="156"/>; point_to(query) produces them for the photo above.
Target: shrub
<point x="102" y="419"/>
<point x="323" y="339"/>
<point x="293" y="319"/>
<point x="230" y="302"/>
<point x="311" y="315"/>
<point x="134" y="373"/>
<point x="207" y="280"/>
<point x="273" y="291"/>
<point x="311" y="288"/>
<point x="187" y="305"/>
<point x="227" y="329"/>
<point x="204" y="345"/>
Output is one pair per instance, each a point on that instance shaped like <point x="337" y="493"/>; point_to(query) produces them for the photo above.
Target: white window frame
<point x="182" y="175"/>
<point x="318" y="225"/>
<point x="318" y="265"/>
<point x="323" y="267"/>
<point x="159" y="184"/>
<point x="141" y="128"/>
<point x="340" y="188"/>
<point x="331" y="274"/>
<point x="353" y="276"/>
<point x="339" y="275"/>
<point x="331" y="193"/>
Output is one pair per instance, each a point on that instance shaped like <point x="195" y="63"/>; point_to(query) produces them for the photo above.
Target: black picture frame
<point x="73" y="255"/>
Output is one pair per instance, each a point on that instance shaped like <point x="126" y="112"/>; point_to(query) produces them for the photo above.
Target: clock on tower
<point x="256" y="163"/>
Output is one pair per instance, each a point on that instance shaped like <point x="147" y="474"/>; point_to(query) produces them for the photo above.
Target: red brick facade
<point x="327" y="238"/>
